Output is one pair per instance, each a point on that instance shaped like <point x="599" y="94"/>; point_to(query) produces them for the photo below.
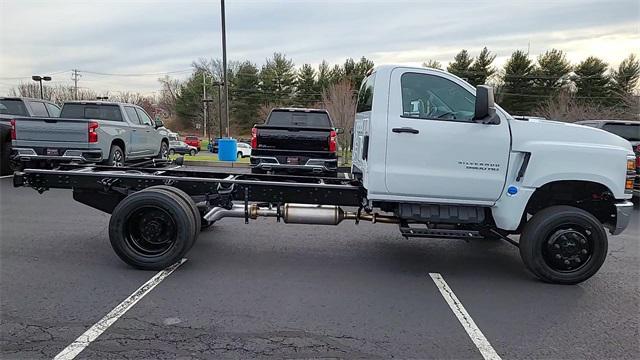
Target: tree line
<point x="549" y="85"/>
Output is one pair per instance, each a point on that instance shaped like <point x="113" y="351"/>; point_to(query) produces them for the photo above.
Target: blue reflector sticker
<point x="512" y="190"/>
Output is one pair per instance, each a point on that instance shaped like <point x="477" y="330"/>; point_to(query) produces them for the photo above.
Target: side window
<point x="132" y="115"/>
<point x="365" y="95"/>
<point x="435" y="98"/>
<point x="38" y="108"/>
<point x="144" y="118"/>
<point x="54" y="111"/>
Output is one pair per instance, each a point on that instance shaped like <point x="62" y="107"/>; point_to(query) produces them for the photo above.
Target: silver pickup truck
<point x="12" y="107"/>
<point x="89" y="131"/>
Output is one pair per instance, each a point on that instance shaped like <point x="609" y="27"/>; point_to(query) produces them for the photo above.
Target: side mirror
<point x="485" y="106"/>
<point x="159" y="123"/>
<point x="339" y="131"/>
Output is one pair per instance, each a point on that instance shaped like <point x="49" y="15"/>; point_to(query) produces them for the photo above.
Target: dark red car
<point x="192" y="141"/>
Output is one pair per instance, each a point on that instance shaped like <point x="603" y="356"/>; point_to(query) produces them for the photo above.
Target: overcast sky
<point x="151" y="37"/>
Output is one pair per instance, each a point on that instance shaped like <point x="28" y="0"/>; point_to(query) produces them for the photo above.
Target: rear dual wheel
<point x="563" y="245"/>
<point x="153" y="229"/>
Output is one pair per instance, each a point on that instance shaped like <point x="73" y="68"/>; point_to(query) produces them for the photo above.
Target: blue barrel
<point x="227" y="149"/>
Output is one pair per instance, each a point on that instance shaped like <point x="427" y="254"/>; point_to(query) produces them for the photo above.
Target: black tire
<point x="188" y="200"/>
<point x="164" y="151"/>
<point x="257" y="171"/>
<point x="239" y="155"/>
<point x="563" y="245"/>
<point x="116" y="157"/>
<point x="172" y="152"/>
<point x="192" y="152"/>
<point x="151" y="230"/>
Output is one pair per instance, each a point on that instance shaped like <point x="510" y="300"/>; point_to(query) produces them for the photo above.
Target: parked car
<point x="180" y="147"/>
<point x="295" y="140"/>
<point x="89" y="131"/>
<point x="212" y="147"/>
<point x="12" y="107"/>
<point x="193" y="141"/>
<point x="628" y="130"/>
<point x="244" y="150"/>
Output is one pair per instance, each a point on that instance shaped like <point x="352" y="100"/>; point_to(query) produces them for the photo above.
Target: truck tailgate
<point x="52" y="130"/>
<point x="298" y="138"/>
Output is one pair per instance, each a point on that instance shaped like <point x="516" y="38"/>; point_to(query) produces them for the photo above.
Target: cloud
<point x="150" y="36"/>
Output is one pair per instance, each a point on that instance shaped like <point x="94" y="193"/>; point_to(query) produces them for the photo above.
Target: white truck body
<point x="463" y="162"/>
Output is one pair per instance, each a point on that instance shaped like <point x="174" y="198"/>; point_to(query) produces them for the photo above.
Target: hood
<point x="562" y="132"/>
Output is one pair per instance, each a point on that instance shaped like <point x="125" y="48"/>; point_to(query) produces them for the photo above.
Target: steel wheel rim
<point x="569" y="248"/>
<point x="150" y="231"/>
<point x="118" y="158"/>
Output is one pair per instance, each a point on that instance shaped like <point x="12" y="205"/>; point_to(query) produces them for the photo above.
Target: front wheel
<point x="563" y="245"/>
<point x="192" y="152"/>
<point x="172" y="152"/>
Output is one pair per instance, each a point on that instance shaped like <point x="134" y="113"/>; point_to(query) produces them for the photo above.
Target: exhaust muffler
<point x="297" y="214"/>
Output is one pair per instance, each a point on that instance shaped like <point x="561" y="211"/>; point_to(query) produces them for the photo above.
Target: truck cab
<point x="423" y="153"/>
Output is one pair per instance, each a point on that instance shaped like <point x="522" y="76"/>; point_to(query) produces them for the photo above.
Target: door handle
<point x="405" y="130"/>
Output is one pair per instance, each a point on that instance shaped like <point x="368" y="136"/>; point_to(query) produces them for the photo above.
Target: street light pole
<point x="39" y="79"/>
<point x="224" y="67"/>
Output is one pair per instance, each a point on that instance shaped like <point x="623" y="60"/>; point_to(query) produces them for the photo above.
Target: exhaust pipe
<point x="299" y="214"/>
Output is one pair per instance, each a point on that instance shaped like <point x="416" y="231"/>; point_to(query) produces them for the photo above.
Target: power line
<point x="138" y="74"/>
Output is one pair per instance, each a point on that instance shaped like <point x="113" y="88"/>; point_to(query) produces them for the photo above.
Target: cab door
<point x="435" y="151"/>
<point x="138" y="142"/>
<point x="151" y="136"/>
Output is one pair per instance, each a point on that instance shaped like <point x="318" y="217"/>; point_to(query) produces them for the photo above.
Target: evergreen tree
<point x="461" y="64"/>
<point x="189" y="105"/>
<point x="551" y="75"/>
<point x="278" y="80"/>
<point x="481" y="69"/>
<point x="625" y="78"/>
<point x="434" y="64"/>
<point x="517" y="84"/>
<point x="308" y="92"/>
<point x="244" y="92"/>
<point x="592" y="82"/>
<point x="323" y="76"/>
<point x="362" y="67"/>
<point x="336" y="74"/>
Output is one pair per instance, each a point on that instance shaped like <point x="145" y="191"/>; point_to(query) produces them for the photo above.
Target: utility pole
<point x="204" y="101"/>
<point x="75" y="77"/>
<point x="224" y="67"/>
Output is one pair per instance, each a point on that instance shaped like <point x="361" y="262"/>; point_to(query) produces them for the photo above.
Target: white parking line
<point x="101" y="326"/>
<point x="465" y="319"/>
<point x="6" y="176"/>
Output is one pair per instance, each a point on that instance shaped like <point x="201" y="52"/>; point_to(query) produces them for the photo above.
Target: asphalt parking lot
<point x="297" y="291"/>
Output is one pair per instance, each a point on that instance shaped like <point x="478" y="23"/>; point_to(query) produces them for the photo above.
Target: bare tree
<point x="565" y="107"/>
<point x="339" y="100"/>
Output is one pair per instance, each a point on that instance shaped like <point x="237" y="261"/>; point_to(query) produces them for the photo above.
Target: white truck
<point x="431" y="154"/>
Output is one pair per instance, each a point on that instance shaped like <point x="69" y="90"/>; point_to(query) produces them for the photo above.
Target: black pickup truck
<point x="295" y="140"/>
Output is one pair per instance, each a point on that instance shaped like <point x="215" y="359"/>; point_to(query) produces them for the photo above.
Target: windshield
<point x="13" y="107"/>
<point x="298" y="118"/>
<point x="91" y="111"/>
<point x="630" y="132"/>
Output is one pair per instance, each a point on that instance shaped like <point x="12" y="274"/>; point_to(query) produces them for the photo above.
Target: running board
<point x="408" y="232"/>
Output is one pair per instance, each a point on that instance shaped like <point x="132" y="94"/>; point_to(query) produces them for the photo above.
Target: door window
<point x="54" y="111"/>
<point x="365" y="95"/>
<point x="132" y="115"/>
<point x="435" y="98"/>
<point x="38" y="108"/>
<point x="144" y="118"/>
